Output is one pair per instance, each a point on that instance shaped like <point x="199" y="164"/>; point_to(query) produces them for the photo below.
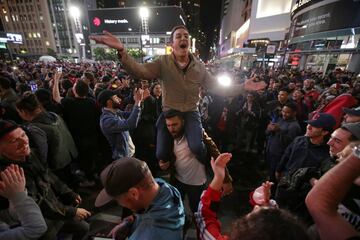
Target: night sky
<point x="210" y="17"/>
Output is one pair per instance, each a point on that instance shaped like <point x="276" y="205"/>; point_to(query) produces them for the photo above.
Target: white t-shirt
<point x="188" y="169"/>
<point x="131" y="147"/>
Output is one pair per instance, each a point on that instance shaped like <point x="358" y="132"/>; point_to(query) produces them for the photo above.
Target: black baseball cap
<point x="323" y="120"/>
<point x="352" y="111"/>
<point x="119" y="176"/>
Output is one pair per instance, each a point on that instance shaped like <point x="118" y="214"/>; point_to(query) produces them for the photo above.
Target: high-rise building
<point x="47" y="26"/>
<point x="31" y="19"/>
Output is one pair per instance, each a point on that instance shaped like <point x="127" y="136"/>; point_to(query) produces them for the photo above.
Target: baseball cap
<point x="104" y="96"/>
<point x="119" y="176"/>
<point x="353" y="128"/>
<point x="7" y="127"/>
<point x="323" y="120"/>
<point x="352" y="111"/>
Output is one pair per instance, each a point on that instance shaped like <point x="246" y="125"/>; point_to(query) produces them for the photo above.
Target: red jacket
<point x="335" y="107"/>
<point x="209" y="227"/>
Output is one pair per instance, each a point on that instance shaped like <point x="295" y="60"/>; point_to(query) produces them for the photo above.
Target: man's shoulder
<point x="299" y="140"/>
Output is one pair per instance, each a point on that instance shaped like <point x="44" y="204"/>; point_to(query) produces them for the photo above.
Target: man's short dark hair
<point x="89" y="75"/>
<point x="81" y="88"/>
<point x="43" y="95"/>
<point x="285" y="90"/>
<point x="174" y="30"/>
<point x="269" y="224"/>
<point x="5" y="83"/>
<point x="66" y="84"/>
<point x="28" y="102"/>
<point x="173" y="113"/>
<point x="291" y="105"/>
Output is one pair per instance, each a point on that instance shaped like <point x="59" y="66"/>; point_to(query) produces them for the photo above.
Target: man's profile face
<point x="180" y="42"/>
<point x="127" y="201"/>
<point x="348" y="118"/>
<point x="313" y="132"/>
<point x="15" y="145"/>
<point x="175" y="125"/>
<point x="115" y="102"/>
<point x="339" y="139"/>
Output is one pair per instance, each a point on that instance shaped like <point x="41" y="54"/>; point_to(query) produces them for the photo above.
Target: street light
<point x="144" y="15"/>
<point x="224" y="80"/>
<point x="76" y="14"/>
<point x="144" y="12"/>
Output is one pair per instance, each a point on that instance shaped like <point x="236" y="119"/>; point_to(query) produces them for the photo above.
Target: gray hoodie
<point x="26" y="211"/>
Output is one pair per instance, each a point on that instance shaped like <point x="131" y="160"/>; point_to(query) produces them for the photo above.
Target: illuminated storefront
<point x="325" y="35"/>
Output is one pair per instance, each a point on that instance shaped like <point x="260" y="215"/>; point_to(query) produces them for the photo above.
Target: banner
<point x="128" y="20"/>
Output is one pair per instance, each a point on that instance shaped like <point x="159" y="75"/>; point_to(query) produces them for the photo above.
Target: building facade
<point x="46" y="27"/>
<point x="252" y="31"/>
<point x="32" y="21"/>
<point x="325" y="35"/>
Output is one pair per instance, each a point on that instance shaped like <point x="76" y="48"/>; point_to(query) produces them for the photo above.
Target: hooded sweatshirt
<point x="163" y="219"/>
<point x="61" y="145"/>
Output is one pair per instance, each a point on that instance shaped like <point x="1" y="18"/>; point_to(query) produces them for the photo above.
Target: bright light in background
<point x="272" y="8"/>
<point x="193" y="45"/>
<point x="74" y="11"/>
<point x="224" y="80"/>
<point x="144" y="12"/>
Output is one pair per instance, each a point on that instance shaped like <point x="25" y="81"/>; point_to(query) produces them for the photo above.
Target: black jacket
<point x="54" y="197"/>
<point x="301" y="153"/>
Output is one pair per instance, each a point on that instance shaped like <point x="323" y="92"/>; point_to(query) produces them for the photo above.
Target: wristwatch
<point x="356" y="151"/>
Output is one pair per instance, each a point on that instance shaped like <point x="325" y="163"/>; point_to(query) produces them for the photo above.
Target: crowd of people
<point x="65" y="126"/>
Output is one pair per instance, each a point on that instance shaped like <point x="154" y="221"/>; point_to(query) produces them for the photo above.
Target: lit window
<point x="4" y="11"/>
<point x="34" y="35"/>
<point x="6" y="19"/>
<point x="38" y="34"/>
<point x="41" y="18"/>
<point x="30" y="36"/>
<point x="13" y="18"/>
<point x="47" y="43"/>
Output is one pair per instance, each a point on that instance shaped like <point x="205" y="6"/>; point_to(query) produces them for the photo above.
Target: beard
<point x="116" y="105"/>
<point x="178" y="134"/>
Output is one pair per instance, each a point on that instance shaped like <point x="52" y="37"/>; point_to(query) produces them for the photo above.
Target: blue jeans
<point x="193" y="134"/>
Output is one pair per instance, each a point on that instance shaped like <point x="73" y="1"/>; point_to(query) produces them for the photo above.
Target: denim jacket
<point x="163" y="219"/>
<point x="116" y="126"/>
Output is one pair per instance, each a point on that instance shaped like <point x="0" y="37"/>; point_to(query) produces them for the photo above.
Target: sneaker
<point x="87" y="183"/>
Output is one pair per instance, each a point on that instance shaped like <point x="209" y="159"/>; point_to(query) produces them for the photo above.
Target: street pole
<point x="141" y="45"/>
<point x="144" y="14"/>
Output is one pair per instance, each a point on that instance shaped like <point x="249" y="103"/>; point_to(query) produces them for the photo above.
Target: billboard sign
<point x="270" y="49"/>
<point x="337" y="15"/>
<point x="128" y="20"/>
<point x="14" y="38"/>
